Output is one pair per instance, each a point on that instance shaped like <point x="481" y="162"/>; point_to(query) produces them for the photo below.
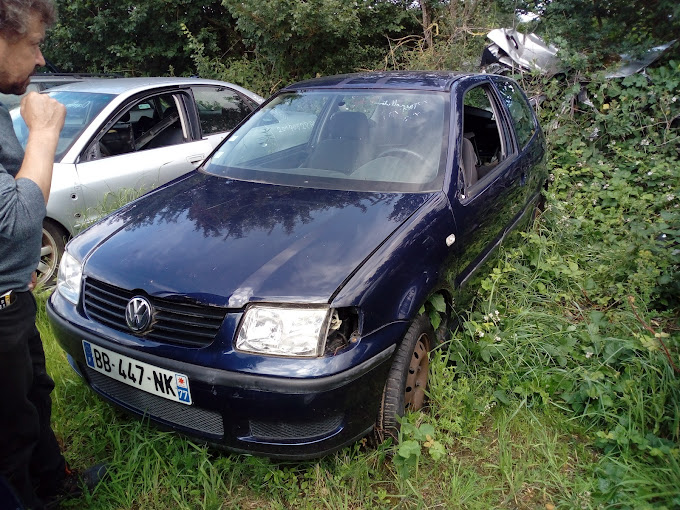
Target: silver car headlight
<point x="283" y="330"/>
<point x="69" y="278"/>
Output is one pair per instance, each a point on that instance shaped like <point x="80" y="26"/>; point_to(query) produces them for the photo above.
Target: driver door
<point x="148" y="144"/>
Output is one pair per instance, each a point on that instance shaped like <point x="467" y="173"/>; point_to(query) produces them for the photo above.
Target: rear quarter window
<point x="520" y="111"/>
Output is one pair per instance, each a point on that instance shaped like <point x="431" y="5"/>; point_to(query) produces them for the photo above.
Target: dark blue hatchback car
<point x="271" y="301"/>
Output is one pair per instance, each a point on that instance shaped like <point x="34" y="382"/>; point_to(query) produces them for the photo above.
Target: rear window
<point x="355" y="140"/>
<point x="520" y="111"/>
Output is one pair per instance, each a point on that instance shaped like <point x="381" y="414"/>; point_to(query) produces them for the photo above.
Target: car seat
<point x="345" y="145"/>
<point x="171" y="130"/>
<point x="469" y="162"/>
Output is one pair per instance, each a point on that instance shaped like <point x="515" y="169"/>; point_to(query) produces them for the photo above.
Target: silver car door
<point x="144" y="147"/>
<point x="65" y="203"/>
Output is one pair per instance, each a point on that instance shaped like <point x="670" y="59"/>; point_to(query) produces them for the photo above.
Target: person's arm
<point x="44" y="118"/>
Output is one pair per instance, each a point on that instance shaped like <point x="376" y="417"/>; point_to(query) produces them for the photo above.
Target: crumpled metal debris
<point x="630" y="65"/>
<point x="514" y="49"/>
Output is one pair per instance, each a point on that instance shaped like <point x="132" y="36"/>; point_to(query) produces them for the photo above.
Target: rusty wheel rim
<point x="416" y="378"/>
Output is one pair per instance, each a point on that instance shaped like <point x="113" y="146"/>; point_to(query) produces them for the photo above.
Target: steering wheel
<point x="104" y="150"/>
<point x="397" y="151"/>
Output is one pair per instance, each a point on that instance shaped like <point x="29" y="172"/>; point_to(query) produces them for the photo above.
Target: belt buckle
<point x="7" y="299"/>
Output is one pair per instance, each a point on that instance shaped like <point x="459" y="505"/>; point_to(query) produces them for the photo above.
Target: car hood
<point x="226" y="242"/>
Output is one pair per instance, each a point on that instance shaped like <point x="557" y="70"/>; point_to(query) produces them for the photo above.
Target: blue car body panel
<point x="284" y="244"/>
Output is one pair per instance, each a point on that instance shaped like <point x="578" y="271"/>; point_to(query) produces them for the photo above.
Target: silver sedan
<point x="123" y="137"/>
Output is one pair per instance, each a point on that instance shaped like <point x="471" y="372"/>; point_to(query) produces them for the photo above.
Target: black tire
<point x="52" y="248"/>
<point x="446" y="327"/>
<point x="536" y="212"/>
<point x="407" y="379"/>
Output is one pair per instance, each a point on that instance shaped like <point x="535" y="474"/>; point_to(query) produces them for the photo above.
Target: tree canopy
<point x="606" y="25"/>
<point x="141" y="37"/>
<point x="265" y="43"/>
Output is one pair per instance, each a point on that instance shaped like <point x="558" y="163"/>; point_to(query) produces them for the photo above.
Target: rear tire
<point x="52" y="248"/>
<point x="407" y="380"/>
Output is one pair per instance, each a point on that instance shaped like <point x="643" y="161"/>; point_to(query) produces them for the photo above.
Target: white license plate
<point x="149" y="378"/>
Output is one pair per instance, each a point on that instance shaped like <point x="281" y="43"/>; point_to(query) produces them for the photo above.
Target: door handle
<point x="196" y="158"/>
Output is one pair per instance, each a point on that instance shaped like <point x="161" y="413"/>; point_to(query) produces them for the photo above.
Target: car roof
<point x="67" y="77"/>
<point x="398" y="80"/>
<point x="130" y="86"/>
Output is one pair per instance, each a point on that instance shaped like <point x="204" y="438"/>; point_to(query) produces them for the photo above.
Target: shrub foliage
<point x="582" y="315"/>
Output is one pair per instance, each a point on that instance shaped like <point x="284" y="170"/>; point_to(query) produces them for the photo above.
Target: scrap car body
<point x="269" y="302"/>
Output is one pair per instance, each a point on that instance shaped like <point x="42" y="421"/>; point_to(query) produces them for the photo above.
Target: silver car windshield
<point x="341" y="139"/>
<point x="81" y="108"/>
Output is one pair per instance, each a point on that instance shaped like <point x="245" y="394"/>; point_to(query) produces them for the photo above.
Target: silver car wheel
<point x="50" y="253"/>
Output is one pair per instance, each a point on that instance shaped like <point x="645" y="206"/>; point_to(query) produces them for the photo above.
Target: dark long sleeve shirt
<point x="22" y="210"/>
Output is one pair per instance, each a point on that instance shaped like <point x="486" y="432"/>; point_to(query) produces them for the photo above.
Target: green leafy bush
<point x="581" y="313"/>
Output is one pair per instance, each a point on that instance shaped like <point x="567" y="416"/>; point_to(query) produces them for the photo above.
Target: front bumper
<point x="280" y="417"/>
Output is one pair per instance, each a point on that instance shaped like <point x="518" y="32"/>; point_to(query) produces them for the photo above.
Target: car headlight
<point x="283" y="331"/>
<point x="69" y="278"/>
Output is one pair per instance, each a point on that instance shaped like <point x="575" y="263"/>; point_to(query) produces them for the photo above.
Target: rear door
<point x="150" y="142"/>
<point x="528" y="138"/>
<point x="219" y="110"/>
<point x="486" y="193"/>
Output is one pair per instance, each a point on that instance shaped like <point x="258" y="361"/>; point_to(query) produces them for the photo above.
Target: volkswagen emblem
<point x="138" y="314"/>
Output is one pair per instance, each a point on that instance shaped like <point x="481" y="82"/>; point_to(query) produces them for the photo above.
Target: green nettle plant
<point x="413" y="439"/>
<point x="622" y="169"/>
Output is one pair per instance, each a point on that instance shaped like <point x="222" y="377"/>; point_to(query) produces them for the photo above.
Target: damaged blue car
<point x="271" y="301"/>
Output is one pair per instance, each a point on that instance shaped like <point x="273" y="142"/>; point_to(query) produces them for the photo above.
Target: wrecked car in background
<point x="271" y="301"/>
<point x="511" y="50"/>
<point x="518" y="51"/>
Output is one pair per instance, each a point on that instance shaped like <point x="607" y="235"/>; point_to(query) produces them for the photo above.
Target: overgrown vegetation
<point x="560" y="388"/>
<point x="265" y="44"/>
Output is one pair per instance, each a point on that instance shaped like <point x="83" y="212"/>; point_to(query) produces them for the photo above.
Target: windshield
<point x="81" y="108"/>
<point x="354" y="140"/>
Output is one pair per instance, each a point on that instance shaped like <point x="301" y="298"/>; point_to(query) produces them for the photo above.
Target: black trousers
<point x="30" y="457"/>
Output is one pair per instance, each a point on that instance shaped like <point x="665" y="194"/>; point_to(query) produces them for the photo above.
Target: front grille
<point x="277" y="431"/>
<point x="176" y="323"/>
<point x="192" y="417"/>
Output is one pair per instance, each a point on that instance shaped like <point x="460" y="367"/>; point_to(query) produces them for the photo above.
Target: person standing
<point x="30" y="458"/>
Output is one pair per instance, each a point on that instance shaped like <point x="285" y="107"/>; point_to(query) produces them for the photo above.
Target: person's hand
<point x="34" y="281"/>
<point x="43" y="114"/>
<point x="44" y="118"/>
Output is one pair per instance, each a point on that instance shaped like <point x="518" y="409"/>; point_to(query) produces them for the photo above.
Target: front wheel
<point x="53" y="242"/>
<point x="405" y="389"/>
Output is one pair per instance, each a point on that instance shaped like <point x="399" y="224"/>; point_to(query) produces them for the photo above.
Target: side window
<point x="520" y="111"/>
<point x="219" y="109"/>
<point x="148" y="124"/>
<point x="483" y="143"/>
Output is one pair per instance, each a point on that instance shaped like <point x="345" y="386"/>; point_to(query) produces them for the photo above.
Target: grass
<point x="509" y="457"/>
<point x="555" y="392"/>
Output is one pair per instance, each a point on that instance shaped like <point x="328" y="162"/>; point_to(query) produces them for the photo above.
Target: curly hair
<point x="15" y="15"/>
